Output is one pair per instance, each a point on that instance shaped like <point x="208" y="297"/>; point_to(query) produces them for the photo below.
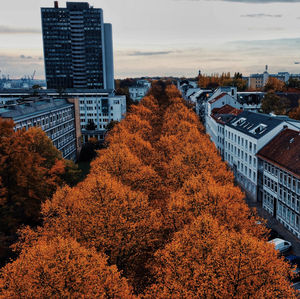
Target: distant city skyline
<point x="169" y="37"/>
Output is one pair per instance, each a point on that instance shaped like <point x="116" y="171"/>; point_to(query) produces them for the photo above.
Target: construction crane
<point x="32" y="77"/>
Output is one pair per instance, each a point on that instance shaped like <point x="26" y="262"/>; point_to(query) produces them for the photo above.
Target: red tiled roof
<point x="227" y="110"/>
<point x="218" y="97"/>
<point x="284" y="151"/>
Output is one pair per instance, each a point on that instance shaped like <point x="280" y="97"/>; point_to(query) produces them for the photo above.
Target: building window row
<point x="248" y="145"/>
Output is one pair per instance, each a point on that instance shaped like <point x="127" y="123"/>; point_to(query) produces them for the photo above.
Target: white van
<point x="281" y="245"/>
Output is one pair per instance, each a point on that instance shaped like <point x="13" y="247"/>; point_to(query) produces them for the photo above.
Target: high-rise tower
<point x="78" y="48"/>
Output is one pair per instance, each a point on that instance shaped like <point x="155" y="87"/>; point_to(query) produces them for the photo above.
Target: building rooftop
<point x="32" y="108"/>
<point x="284" y="151"/>
<point x="225" y="114"/>
<point x="73" y="91"/>
<point x="218" y="97"/>
<point x="254" y="124"/>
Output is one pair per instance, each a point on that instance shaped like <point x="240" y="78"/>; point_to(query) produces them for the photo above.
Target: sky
<point x="168" y="37"/>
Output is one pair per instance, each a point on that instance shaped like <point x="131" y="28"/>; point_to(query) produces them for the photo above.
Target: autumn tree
<point x="31" y="169"/>
<point x="61" y="268"/>
<point x="274" y="103"/>
<point x="215" y="80"/>
<point x="103" y="213"/>
<point x="295" y="113"/>
<point x="274" y="85"/>
<point x="204" y="260"/>
<point x="163" y="207"/>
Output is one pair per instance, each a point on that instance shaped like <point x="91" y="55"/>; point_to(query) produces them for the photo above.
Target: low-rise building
<point x="56" y="117"/>
<point x="221" y="97"/>
<point x="245" y="135"/>
<point x="96" y="108"/>
<point x="215" y="125"/>
<point x="279" y="183"/>
<point x="258" y="81"/>
<point x="140" y="90"/>
<point x="97" y="111"/>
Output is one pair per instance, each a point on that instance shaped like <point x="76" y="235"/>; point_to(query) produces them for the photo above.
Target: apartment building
<point x="97" y="111"/>
<point x="138" y="91"/>
<point x="279" y="179"/>
<point x="215" y="125"/>
<point x="244" y="136"/>
<point x="96" y="108"/>
<point x="56" y="117"/>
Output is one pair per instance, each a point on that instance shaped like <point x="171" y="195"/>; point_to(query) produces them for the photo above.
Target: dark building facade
<point x="78" y="49"/>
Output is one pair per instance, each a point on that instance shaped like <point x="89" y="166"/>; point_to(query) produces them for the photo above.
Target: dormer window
<point x="259" y="129"/>
<point x="239" y="122"/>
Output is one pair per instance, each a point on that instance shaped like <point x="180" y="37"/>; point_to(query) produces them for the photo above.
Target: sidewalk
<point x="274" y="224"/>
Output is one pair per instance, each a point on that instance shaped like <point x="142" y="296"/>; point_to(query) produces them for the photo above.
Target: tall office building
<point x="78" y="48"/>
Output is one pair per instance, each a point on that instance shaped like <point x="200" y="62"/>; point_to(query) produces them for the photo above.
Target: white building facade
<point x="99" y="110"/>
<point x="245" y="135"/>
<point x="95" y="107"/>
<point x="279" y="187"/>
<point x="140" y="90"/>
<point x="56" y="117"/>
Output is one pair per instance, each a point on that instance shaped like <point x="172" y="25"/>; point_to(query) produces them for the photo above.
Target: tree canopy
<point x="274" y="103"/>
<point x="159" y="215"/>
<point x="31" y="169"/>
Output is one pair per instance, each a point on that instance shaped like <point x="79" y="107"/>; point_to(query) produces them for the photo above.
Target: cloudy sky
<point x="168" y="37"/>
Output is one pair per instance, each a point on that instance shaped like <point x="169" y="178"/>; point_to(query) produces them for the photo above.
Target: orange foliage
<point x="274" y="84"/>
<point x="295" y="113"/>
<point x="61" y="268"/>
<point x="103" y="213"/>
<point x="163" y="207"/>
<point x="204" y="260"/>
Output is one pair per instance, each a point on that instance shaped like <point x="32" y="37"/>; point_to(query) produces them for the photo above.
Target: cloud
<point x="246" y="56"/>
<point x="260" y="15"/>
<point x="265" y="28"/>
<point x="14" y="30"/>
<point x="149" y="53"/>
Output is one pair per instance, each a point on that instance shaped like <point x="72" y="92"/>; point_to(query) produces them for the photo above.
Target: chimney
<point x="55" y="4"/>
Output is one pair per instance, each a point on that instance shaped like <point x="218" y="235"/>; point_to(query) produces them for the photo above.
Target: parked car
<point x="281" y="245"/>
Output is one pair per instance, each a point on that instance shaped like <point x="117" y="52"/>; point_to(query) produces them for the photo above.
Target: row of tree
<point x="31" y="169"/>
<point x="215" y="80"/>
<point x="158" y="216"/>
